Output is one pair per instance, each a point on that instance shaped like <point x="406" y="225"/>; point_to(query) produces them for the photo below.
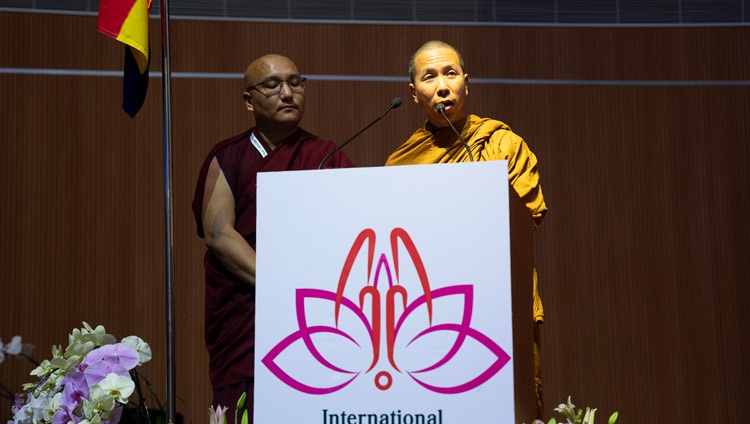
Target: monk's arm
<point x="524" y="177"/>
<point x="218" y="226"/>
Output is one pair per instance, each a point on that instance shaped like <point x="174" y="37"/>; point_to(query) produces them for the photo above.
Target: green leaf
<point x="240" y="405"/>
<point x="613" y="418"/>
<point x="241" y="401"/>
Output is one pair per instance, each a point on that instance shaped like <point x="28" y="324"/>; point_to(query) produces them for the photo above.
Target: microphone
<point x="441" y="109"/>
<point x="396" y="102"/>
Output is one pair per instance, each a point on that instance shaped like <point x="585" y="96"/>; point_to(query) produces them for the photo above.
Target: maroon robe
<point x="230" y="303"/>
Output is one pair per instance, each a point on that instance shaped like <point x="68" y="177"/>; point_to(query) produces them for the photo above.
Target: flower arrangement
<point x="218" y="414"/>
<point x="572" y="416"/>
<point x="87" y="383"/>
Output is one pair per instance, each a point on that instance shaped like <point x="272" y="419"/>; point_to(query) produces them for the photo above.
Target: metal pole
<point x="167" y="128"/>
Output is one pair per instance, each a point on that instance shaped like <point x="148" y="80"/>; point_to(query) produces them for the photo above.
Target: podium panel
<point x="384" y="295"/>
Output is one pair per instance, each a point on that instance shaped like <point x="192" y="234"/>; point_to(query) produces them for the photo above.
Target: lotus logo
<point x="402" y="313"/>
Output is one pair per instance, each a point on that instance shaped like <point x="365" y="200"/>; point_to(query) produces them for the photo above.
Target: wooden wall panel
<point x="81" y="217"/>
<point x="642" y="256"/>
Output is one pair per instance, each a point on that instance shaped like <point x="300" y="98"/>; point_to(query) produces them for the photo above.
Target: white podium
<point x="398" y="295"/>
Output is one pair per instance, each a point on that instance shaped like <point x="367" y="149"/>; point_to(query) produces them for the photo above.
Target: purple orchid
<point x="118" y="358"/>
<point x="75" y="389"/>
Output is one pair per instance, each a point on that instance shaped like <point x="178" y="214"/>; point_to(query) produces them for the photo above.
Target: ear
<point x="466" y="84"/>
<point x="413" y="92"/>
<point x="248" y="100"/>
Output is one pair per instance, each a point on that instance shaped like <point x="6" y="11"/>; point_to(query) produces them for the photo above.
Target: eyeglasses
<point x="272" y="86"/>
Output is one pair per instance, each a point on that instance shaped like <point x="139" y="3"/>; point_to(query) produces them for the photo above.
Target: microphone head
<point x="396" y="102"/>
<point x="440" y="108"/>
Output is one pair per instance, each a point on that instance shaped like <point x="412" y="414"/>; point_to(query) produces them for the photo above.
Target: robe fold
<point x="230" y="303"/>
<point x="487" y="139"/>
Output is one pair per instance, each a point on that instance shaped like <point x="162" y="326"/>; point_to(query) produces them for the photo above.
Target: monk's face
<point x="274" y="95"/>
<point x="440" y="79"/>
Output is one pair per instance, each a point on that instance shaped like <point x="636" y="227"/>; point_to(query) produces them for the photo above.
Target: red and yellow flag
<point x="127" y="22"/>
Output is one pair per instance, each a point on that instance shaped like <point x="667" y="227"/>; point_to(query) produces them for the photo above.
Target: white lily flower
<point x="15" y="347"/>
<point x="588" y="417"/>
<point x="118" y="387"/>
<point x="53" y="405"/>
<point x="143" y="348"/>
<point x="96" y="407"/>
<point x="36" y="406"/>
<point x="95" y="419"/>
<point x="217" y="415"/>
<point x="24" y="416"/>
<point x="12" y="348"/>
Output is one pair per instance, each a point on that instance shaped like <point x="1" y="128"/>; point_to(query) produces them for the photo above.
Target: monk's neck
<point x="274" y="137"/>
<point x="460" y="125"/>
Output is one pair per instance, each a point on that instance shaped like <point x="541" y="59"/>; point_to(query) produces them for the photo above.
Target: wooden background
<point x="643" y="257"/>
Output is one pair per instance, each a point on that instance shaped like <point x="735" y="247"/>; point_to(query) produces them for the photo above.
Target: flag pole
<point x="167" y="128"/>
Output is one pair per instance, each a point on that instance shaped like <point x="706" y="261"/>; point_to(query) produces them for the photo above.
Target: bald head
<point x="275" y="95"/>
<point x="266" y="65"/>
<point x="432" y="44"/>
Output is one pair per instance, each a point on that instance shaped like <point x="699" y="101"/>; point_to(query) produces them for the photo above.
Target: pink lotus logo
<point x="398" y="341"/>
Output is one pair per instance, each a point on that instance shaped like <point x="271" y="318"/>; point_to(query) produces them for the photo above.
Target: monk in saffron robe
<point x="225" y="210"/>
<point x="439" y="85"/>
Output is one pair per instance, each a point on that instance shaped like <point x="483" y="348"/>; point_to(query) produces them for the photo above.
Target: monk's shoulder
<point x="500" y="138"/>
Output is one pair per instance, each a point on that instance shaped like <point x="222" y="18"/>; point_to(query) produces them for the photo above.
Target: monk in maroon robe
<point x="225" y="208"/>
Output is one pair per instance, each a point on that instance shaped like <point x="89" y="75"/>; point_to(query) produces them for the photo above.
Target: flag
<point x="127" y="22"/>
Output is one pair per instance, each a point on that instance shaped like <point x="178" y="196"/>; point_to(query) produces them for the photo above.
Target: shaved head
<point x="261" y="67"/>
<point x="277" y="109"/>
<point x="432" y="44"/>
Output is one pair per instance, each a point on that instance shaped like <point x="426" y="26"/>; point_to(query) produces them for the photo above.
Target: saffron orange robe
<point x="487" y="139"/>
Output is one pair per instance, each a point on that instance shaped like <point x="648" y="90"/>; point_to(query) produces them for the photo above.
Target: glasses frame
<point x="274" y="91"/>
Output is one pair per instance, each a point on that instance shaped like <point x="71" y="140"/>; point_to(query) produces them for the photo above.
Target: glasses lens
<point x="297" y="83"/>
<point x="272" y="86"/>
